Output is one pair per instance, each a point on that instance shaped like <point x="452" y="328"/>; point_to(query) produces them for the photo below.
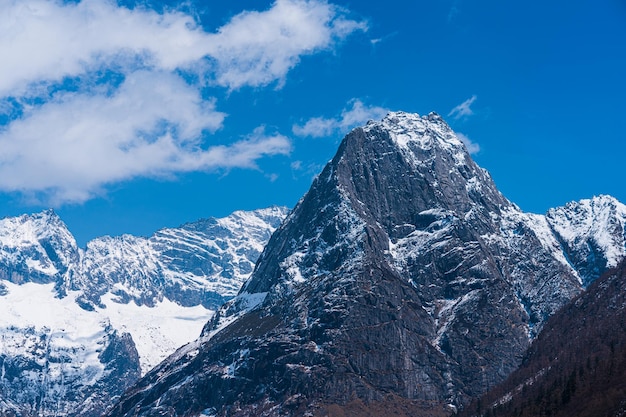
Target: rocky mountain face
<point x="591" y="233"/>
<point x="576" y="366"/>
<point x="79" y="326"/>
<point x="200" y="263"/>
<point x="36" y="248"/>
<point x="45" y="375"/>
<point x="402" y="282"/>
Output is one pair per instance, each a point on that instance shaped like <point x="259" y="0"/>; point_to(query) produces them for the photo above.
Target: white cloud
<point x="256" y="48"/>
<point x="245" y="153"/>
<point x="152" y="126"/>
<point x="472" y="147"/>
<point x="49" y="40"/>
<point x="67" y="144"/>
<point x="464" y="109"/>
<point x="317" y="127"/>
<point x="359" y="114"/>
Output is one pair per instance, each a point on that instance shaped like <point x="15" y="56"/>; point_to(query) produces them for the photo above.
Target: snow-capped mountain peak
<point x="591" y="229"/>
<point x="36" y="247"/>
<point x="77" y="326"/>
<point x="422" y="137"/>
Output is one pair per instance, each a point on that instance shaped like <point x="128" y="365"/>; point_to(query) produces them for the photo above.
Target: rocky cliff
<point x="403" y="281"/>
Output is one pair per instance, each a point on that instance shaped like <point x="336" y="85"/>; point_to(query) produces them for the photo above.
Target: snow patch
<point x="291" y="268"/>
<point x="417" y="136"/>
<point x="157" y="331"/>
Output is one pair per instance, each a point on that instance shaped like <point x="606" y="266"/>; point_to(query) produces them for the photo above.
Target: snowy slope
<point x="592" y="234"/>
<point x="78" y="326"/>
<point x="51" y="351"/>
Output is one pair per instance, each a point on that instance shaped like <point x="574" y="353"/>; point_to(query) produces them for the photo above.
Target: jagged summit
<point x="421" y="131"/>
<point x="404" y="170"/>
<point x="204" y="262"/>
<point x="36" y="247"/>
<point x="403" y="276"/>
<point x="591" y="229"/>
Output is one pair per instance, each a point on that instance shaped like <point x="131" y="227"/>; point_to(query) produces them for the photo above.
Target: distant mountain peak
<point x="78" y="326"/>
<point x="34" y="225"/>
<point x="591" y="229"/>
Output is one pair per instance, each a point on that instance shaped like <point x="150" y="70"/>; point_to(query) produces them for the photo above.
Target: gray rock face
<point x="576" y="365"/>
<point x="403" y="273"/>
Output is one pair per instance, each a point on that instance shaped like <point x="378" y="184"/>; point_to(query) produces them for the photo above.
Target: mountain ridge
<point x="403" y="273"/>
<point x="78" y="326"/>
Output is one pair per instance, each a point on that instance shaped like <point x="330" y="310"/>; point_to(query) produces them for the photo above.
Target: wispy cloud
<point x="472" y="147"/>
<point x="454" y="10"/>
<point x="257" y="48"/>
<point x="152" y="126"/>
<point x="376" y="41"/>
<point x="357" y="115"/>
<point x="464" y="109"/>
<point x="93" y="93"/>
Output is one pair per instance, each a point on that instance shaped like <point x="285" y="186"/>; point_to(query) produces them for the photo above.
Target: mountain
<point x="591" y="234"/>
<point x="37" y="248"/>
<point x="402" y="283"/>
<point x="79" y="326"/>
<point x="576" y="366"/>
<point x="200" y="263"/>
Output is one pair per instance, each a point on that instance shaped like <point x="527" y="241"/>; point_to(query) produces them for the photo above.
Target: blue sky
<point x="134" y="115"/>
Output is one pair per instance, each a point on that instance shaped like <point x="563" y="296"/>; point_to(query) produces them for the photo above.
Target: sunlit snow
<point x="156" y="331"/>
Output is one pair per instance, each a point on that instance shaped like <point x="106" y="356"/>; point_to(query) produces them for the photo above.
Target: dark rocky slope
<point x="577" y="365"/>
<point x="403" y="281"/>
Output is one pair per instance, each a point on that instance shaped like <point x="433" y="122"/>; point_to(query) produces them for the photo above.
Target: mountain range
<point x="78" y="326"/>
<point x="402" y="283"/>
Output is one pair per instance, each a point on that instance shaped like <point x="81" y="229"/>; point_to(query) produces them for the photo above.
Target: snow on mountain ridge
<point x="36" y="247"/>
<point x="579" y="236"/>
<point x="416" y="134"/>
<point x="591" y="229"/>
<point x="27" y="227"/>
<point x="204" y="262"/>
<point x="78" y="325"/>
